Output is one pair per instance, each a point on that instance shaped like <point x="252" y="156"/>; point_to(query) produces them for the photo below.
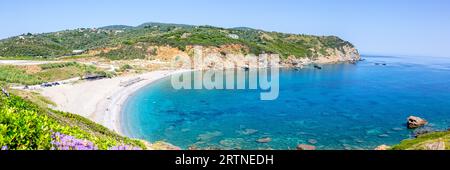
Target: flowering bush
<point x="66" y="142"/>
<point x="26" y="126"/>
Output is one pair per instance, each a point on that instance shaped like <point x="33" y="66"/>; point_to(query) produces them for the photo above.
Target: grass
<point x="47" y="73"/>
<point x="13" y="74"/>
<point x="58" y="65"/>
<point x="33" y="97"/>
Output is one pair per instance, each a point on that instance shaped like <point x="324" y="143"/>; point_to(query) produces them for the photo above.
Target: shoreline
<point x="115" y="107"/>
<point x="102" y="100"/>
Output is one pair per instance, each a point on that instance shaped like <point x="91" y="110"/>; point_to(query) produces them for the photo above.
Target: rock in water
<point x="415" y="122"/>
<point x="312" y="141"/>
<point x="383" y="135"/>
<point x="305" y="147"/>
<point x="382" y="148"/>
<point x="208" y="136"/>
<point x="264" y="140"/>
<point x="248" y="132"/>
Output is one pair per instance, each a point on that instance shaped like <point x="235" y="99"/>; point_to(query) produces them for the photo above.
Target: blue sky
<point x="384" y="27"/>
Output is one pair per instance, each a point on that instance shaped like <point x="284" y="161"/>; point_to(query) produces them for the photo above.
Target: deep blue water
<point x="342" y="106"/>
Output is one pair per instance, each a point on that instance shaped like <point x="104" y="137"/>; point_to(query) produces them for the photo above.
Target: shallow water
<point x="342" y="106"/>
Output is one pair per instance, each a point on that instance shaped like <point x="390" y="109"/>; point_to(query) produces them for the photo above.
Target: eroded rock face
<point x="346" y="54"/>
<point x="415" y="122"/>
<point x="305" y="147"/>
<point x="435" y="146"/>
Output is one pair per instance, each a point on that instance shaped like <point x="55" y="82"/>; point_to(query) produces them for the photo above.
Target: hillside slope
<point x="431" y="141"/>
<point x="126" y="42"/>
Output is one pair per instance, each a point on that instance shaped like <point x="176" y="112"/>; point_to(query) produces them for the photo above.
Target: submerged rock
<point x="383" y="135"/>
<point x="208" y="136"/>
<point x="374" y="132"/>
<point x="248" y="131"/>
<point x="359" y="140"/>
<point x="415" y="122"/>
<point x="305" y="147"/>
<point x="312" y="141"/>
<point x="232" y="143"/>
<point x="264" y="140"/>
<point x="185" y="130"/>
<point x="317" y="67"/>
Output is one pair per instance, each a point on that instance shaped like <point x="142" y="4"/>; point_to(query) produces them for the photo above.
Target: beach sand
<point x="101" y="100"/>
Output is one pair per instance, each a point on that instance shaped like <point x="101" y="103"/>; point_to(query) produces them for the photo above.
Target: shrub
<point x="25" y="126"/>
<point x="126" y="67"/>
<point x="58" y="65"/>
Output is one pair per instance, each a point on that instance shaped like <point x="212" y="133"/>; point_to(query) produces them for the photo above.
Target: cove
<point x="341" y="106"/>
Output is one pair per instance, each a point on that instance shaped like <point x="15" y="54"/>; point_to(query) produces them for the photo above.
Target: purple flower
<point x="66" y="142"/>
<point x="4" y="148"/>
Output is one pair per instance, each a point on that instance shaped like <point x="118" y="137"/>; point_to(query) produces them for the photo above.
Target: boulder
<point x="305" y="147"/>
<point x="415" y="122"/>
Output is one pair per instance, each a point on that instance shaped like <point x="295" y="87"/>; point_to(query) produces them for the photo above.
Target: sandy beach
<point x="101" y="100"/>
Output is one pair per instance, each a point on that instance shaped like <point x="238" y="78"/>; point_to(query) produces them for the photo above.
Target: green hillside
<point x="56" y="44"/>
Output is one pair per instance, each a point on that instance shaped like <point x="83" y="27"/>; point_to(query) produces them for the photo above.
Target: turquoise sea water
<point x="342" y="106"/>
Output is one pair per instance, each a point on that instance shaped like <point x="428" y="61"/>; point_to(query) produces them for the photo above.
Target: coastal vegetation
<point x="129" y="42"/>
<point x="430" y="141"/>
<point x="37" y="74"/>
<point x="27" y="126"/>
